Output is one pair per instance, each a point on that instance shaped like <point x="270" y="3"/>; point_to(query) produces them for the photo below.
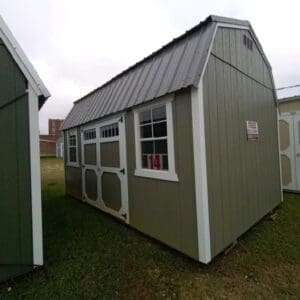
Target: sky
<point x="76" y="46"/>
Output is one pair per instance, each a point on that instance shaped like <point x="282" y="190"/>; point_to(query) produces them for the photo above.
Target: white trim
<point x="99" y="169"/>
<point x="21" y="59"/>
<point x="279" y="154"/>
<point x="200" y="169"/>
<point x="170" y="174"/>
<point x="69" y="163"/>
<point x="227" y="25"/>
<point x="37" y="228"/>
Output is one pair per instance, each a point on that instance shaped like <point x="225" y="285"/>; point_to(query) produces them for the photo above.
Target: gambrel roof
<point x="177" y="65"/>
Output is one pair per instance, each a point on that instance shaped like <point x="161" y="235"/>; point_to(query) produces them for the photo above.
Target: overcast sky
<point x="77" y="45"/>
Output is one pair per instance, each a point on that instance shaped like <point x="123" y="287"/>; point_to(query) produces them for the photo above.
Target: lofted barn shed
<point x="22" y="93"/>
<point x="183" y="145"/>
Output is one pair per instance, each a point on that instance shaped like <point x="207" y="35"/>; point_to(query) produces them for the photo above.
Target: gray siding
<point x="15" y="185"/>
<point x="243" y="176"/>
<point x="73" y="175"/>
<point x="162" y="209"/>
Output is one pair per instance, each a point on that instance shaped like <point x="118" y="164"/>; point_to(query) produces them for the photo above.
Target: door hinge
<point x="121" y="120"/>
<point x="124" y="216"/>
<point x="122" y="171"/>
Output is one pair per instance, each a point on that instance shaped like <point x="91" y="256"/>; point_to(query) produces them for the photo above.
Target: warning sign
<point x="252" y="130"/>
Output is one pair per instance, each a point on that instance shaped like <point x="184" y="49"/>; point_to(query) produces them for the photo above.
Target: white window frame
<point x="71" y="163"/>
<point x="170" y="174"/>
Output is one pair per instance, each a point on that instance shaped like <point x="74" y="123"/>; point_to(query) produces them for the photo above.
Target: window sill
<point x="155" y="174"/>
<point x="75" y="165"/>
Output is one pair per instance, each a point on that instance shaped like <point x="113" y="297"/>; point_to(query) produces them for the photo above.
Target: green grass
<point x="89" y="255"/>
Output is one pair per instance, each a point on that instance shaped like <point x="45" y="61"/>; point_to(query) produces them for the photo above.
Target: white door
<point x="104" y="167"/>
<point x="287" y="129"/>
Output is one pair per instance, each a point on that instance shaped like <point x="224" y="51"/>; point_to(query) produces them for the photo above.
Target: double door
<point x="289" y="129"/>
<point x="104" y="167"/>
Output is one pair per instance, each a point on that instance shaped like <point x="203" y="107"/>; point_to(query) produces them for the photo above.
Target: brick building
<point x="48" y="141"/>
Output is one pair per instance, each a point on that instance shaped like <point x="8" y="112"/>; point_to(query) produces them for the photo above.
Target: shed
<point x="289" y="128"/>
<point x="22" y="93"/>
<point x="183" y="145"/>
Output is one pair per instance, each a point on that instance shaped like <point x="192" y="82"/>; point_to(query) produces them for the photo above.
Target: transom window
<point x="154" y="142"/>
<point x="109" y="130"/>
<point x="153" y="137"/>
<point x="89" y="134"/>
<point x="72" y="148"/>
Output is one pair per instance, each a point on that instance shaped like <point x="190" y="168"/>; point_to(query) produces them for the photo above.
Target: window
<point x="89" y="134"/>
<point x="110" y="130"/>
<point x="154" y="142"/>
<point x="72" y="148"/>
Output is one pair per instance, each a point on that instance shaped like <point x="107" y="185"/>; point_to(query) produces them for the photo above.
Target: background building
<point x="289" y="129"/>
<point x="48" y="142"/>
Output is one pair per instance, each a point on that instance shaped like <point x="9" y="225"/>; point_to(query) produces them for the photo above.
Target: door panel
<point x="287" y="149"/>
<point x="104" y="167"/>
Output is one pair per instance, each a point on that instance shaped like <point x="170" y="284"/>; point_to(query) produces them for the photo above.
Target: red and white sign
<point x="154" y="161"/>
<point x="252" y="130"/>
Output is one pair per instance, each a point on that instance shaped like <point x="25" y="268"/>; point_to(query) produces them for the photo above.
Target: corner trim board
<point x="36" y="202"/>
<point x="200" y="170"/>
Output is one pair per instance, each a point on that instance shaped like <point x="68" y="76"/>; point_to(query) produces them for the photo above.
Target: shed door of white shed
<point x="104" y="167"/>
<point x="289" y="128"/>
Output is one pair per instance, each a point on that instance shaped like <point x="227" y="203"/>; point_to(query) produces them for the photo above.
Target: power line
<point x="288" y="87"/>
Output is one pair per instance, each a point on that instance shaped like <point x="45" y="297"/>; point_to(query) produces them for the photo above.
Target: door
<point x="287" y="130"/>
<point x="297" y="149"/>
<point x="104" y="167"/>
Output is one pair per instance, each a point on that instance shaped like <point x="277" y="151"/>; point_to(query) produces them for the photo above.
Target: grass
<point x="90" y="255"/>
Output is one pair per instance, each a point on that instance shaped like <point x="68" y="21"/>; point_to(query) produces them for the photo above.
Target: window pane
<point x="72" y="140"/>
<point x="145" y="117"/>
<point x="165" y="165"/>
<point x="72" y="156"/>
<point x="160" y="129"/>
<point x="89" y="134"/>
<point x="147" y="147"/>
<point x="159" y="113"/>
<point x="144" y="161"/>
<point x="146" y="131"/>
<point x="161" y="146"/>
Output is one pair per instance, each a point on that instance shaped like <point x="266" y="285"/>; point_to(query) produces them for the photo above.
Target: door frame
<point x="290" y="151"/>
<point x="123" y="213"/>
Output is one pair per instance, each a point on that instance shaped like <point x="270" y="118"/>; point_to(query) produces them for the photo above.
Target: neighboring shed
<point x="22" y="93"/>
<point x="289" y="128"/>
<point x="182" y="145"/>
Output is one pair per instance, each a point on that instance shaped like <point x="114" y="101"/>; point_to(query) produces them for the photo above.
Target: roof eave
<point x="23" y="62"/>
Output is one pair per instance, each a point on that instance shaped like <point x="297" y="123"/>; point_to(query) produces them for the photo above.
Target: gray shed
<point x="183" y="145"/>
<point x="22" y="93"/>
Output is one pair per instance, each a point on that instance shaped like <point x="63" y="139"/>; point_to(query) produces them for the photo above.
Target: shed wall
<point x="243" y="176"/>
<point x="162" y="209"/>
<point x="289" y="106"/>
<point x="73" y="175"/>
<point x="15" y="186"/>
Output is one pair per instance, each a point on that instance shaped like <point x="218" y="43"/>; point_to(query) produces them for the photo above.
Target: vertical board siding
<point x="243" y="176"/>
<point x="162" y="209"/>
<point x="15" y="186"/>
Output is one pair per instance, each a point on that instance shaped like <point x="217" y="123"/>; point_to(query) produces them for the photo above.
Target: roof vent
<point x="248" y="42"/>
